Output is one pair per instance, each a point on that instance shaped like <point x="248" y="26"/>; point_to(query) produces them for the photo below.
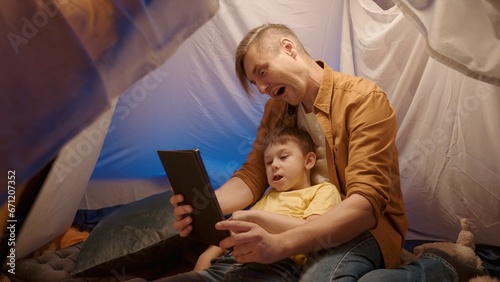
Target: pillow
<point x="137" y="239"/>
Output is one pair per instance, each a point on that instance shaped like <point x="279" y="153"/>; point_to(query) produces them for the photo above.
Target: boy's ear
<point x="310" y="160"/>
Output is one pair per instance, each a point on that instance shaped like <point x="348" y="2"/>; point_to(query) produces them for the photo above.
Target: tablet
<point x="187" y="175"/>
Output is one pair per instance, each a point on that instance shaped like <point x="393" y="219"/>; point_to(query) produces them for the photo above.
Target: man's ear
<point x="310" y="160"/>
<point x="289" y="47"/>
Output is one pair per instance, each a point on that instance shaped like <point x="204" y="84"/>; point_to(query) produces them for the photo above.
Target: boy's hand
<point x="204" y="260"/>
<point x="245" y="215"/>
<point x="183" y="222"/>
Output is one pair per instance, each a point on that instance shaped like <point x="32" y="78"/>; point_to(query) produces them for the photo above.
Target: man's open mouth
<point x="280" y="91"/>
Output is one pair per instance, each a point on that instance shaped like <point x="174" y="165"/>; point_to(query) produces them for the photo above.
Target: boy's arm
<point x="205" y="258"/>
<point x="271" y="222"/>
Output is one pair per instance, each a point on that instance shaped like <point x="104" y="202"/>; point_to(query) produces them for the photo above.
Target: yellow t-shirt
<point x="301" y="203"/>
<point x="314" y="200"/>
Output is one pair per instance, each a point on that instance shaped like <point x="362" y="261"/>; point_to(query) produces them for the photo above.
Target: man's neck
<point x="315" y="78"/>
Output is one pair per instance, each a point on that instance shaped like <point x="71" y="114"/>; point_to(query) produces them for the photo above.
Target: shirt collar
<point x="325" y="92"/>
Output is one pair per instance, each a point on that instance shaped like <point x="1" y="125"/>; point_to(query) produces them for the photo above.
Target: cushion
<point x="55" y="266"/>
<point x="137" y="239"/>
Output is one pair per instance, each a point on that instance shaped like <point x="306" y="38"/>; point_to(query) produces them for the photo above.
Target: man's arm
<point x="340" y="224"/>
<point x="343" y="222"/>
<point x="271" y="222"/>
<point x="234" y="195"/>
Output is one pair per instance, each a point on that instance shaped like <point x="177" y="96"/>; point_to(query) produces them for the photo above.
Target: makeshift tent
<point x="104" y="84"/>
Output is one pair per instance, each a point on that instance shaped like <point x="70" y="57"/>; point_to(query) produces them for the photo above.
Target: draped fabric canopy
<point x="464" y="35"/>
<point x="447" y="101"/>
<point x="63" y="65"/>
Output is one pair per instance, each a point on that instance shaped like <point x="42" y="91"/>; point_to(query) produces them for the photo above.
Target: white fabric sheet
<point x="198" y="101"/>
<point x="55" y="207"/>
<point x="462" y="34"/>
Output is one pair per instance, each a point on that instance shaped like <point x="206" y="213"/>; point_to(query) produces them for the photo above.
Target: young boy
<point x="290" y="201"/>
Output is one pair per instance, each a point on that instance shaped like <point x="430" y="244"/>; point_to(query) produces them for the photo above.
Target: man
<point x="355" y="129"/>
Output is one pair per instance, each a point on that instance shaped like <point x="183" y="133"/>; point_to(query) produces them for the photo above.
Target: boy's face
<point x="286" y="167"/>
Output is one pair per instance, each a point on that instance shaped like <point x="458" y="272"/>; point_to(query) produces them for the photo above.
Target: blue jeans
<point x="280" y="271"/>
<point x="361" y="260"/>
<point x="344" y="263"/>
<point x="357" y="260"/>
<point x="347" y="262"/>
<point x="429" y="268"/>
<point x="226" y="268"/>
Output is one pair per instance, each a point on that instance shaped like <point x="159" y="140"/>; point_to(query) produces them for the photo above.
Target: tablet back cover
<point x="187" y="176"/>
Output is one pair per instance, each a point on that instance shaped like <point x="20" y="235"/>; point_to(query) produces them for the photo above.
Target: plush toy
<point x="484" y="279"/>
<point x="463" y="249"/>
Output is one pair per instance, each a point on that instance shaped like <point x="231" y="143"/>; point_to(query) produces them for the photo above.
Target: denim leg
<point x="219" y="268"/>
<point x="429" y="268"/>
<point x="191" y="276"/>
<point x="347" y="262"/>
<point x="214" y="273"/>
<point x="281" y="271"/>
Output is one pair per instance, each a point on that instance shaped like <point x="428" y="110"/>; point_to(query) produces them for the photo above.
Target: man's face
<point x="280" y="75"/>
